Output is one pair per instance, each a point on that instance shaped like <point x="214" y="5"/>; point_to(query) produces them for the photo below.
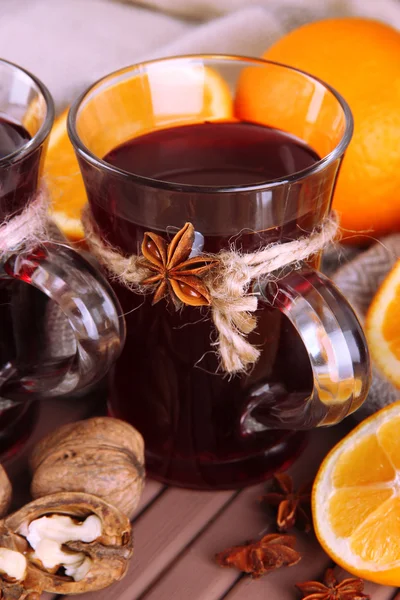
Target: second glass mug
<point x="60" y="323"/>
<point x="203" y="429"/>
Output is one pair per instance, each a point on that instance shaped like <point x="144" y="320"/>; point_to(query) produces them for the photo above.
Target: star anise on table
<point x="331" y="589"/>
<point x="272" y="552"/>
<point x="174" y="272"/>
<point x="293" y="506"/>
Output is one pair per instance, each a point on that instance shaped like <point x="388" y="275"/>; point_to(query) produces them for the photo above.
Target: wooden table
<point x="177" y="532"/>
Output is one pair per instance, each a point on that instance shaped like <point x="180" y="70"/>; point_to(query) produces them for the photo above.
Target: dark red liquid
<point x="166" y="382"/>
<point x="214" y="154"/>
<point x="19" y="307"/>
<point x="12" y="137"/>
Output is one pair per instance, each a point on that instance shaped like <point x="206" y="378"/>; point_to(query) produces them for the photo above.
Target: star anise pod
<point x="272" y="552"/>
<point x="331" y="589"/>
<point x="174" y="272"/>
<point x="293" y="506"/>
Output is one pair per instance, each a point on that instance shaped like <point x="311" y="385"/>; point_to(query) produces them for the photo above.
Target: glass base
<point x="16" y="426"/>
<point x="203" y="474"/>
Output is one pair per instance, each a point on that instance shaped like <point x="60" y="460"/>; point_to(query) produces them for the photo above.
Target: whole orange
<point x="360" y="58"/>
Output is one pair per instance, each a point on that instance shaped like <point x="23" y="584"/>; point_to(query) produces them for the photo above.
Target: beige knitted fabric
<point x="359" y="280"/>
<point x="286" y="12"/>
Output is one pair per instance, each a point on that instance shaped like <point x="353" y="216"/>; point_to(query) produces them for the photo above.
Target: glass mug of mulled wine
<point x="60" y="327"/>
<point x="247" y="152"/>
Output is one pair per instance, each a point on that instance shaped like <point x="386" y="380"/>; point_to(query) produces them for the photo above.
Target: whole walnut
<point x="101" y="456"/>
<point x="5" y="492"/>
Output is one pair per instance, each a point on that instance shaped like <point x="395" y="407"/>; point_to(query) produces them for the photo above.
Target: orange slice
<point x="211" y="99"/>
<point x="383" y="326"/>
<point x="356" y="499"/>
<point x="64" y="181"/>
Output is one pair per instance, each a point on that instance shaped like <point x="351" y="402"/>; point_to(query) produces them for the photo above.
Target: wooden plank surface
<point x="161" y="533"/>
<point x="245" y="518"/>
<point x="178" y="532"/>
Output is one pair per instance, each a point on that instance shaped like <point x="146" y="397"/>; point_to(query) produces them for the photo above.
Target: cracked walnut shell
<point x="108" y="554"/>
<point x="102" y="456"/>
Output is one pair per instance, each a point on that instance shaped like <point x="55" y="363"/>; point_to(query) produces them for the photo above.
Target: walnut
<point x="101" y="456"/>
<point x="71" y="543"/>
<point x="5" y="492"/>
<point x="17" y="581"/>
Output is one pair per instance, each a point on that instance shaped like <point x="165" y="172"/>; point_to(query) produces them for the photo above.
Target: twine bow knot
<point x="222" y="281"/>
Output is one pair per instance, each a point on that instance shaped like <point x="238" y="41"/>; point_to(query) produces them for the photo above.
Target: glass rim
<point x="45" y="128"/>
<point x="99" y="162"/>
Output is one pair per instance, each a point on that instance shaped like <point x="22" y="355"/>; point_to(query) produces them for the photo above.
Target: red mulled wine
<point x="12" y="137"/>
<point x="167" y="382"/>
<point x="18" y="183"/>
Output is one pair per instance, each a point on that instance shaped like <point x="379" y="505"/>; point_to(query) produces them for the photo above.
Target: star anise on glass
<point x="331" y="589"/>
<point x="272" y="552"/>
<point x="174" y="272"/>
<point x="293" y="506"/>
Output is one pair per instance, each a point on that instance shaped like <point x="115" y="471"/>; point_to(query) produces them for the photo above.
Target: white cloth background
<point x="70" y="43"/>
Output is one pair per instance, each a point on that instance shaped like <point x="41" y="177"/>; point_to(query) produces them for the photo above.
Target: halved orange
<point x="356" y="499"/>
<point x="199" y="94"/>
<point x="383" y="326"/>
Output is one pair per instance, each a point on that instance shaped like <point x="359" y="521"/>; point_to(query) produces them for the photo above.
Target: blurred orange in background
<point x="360" y="58"/>
<point x="64" y="181"/>
<point x="382" y="326"/>
<point x="122" y="116"/>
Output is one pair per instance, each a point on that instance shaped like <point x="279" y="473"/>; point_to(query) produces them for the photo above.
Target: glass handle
<point x="337" y="351"/>
<point x="86" y="300"/>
